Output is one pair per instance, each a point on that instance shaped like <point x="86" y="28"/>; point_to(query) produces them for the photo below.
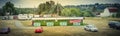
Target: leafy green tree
<point x="66" y="12"/>
<point x="118" y="14"/>
<point x="71" y="12"/>
<point x="9" y="8"/>
<point x="57" y="9"/>
<point x="87" y="14"/>
<point x="76" y="12"/>
<point x="50" y="8"/>
<point x="41" y="8"/>
<point x="45" y="7"/>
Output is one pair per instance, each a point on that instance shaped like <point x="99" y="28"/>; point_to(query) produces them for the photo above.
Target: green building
<point x="57" y="21"/>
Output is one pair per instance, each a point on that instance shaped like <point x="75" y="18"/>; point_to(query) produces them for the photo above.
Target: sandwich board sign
<point x="63" y="23"/>
<point x="50" y="24"/>
<point x="36" y="24"/>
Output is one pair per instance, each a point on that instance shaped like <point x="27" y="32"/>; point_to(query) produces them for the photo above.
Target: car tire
<point x="84" y="28"/>
<point x="115" y="28"/>
<point x="6" y="32"/>
<point x="110" y="27"/>
<point x="90" y="30"/>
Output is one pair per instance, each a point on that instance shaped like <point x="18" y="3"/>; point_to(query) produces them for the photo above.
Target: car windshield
<point x="114" y="22"/>
<point x="3" y="29"/>
<point x="90" y="26"/>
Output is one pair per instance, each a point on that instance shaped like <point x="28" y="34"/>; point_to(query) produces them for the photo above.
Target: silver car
<point x="91" y="28"/>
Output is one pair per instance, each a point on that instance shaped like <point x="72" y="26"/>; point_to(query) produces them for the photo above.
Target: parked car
<point x="3" y="18"/>
<point x="114" y="24"/>
<point x="39" y="30"/>
<point x="5" y="30"/>
<point x="91" y="28"/>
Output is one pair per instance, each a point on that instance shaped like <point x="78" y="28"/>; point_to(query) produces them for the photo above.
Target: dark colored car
<point x="5" y="30"/>
<point x="114" y="24"/>
<point x="39" y="30"/>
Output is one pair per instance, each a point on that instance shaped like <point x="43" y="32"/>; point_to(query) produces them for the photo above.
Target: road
<point x="19" y="25"/>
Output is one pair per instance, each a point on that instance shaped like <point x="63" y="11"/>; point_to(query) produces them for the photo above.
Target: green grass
<point x="82" y="23"/>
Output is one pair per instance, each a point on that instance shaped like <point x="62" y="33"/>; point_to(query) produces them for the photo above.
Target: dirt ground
<point x="101" y="24"/>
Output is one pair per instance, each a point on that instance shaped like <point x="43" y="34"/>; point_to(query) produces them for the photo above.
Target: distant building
<point x="109" y="11"/>
<point x="94" y="7"/>
<point x="23" y="16"/>
<point x="47" y="15"/>
<point x="37" y="16"/>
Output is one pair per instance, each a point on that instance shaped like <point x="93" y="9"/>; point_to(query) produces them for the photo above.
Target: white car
<point x="91" y="28"/>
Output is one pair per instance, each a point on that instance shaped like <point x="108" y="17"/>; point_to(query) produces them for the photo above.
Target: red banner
<point x="73" y="21"/>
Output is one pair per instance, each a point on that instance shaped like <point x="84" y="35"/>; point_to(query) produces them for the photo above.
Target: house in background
<point x="110" y="11"/>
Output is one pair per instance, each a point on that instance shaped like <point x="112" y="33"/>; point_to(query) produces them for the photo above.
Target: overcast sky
<point x="35" y="3"/>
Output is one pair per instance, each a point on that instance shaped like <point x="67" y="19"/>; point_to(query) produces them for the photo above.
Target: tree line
<point x="49" y="7"/>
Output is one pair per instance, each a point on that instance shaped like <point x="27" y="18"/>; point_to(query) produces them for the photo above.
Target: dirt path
<point x="19" y="25"/>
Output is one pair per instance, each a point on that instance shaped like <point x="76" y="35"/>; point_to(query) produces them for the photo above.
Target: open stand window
<point x="50" y="23"/>
<point x="36" y="24"/>
<point x="63" y="23"/>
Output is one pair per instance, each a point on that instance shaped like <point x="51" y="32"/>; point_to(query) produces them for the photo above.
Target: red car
<point x="5" y="30"/>
<point x="39" y="30"/>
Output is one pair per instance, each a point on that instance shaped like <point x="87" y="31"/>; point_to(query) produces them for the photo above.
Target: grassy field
<point x="27" y="23"/>
<point x="7" y="23"/>
<point x="101" y="24"/>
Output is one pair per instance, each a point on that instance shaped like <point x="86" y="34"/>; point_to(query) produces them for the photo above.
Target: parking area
<point x="103" y="30"/>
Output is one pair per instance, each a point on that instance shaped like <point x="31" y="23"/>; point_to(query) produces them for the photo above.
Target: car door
<point x="87" y="28"/>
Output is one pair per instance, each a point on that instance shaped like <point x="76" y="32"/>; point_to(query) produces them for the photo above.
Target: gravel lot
<point x="104" y="30"/>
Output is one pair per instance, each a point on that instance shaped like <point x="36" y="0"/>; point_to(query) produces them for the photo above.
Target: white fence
<point x="6" y="17"/>
<point x="56" y="18"/>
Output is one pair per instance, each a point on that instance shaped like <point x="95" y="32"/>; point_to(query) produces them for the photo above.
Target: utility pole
<point x="19" y="8"/>
<point x="34" y="9"/>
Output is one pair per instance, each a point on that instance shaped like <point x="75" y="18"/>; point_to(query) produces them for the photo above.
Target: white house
<point x="36" y="16"/>
<point x="23" y="16"/>
<point x="109" y="11"/>
<point x="47" y="15"/>
<point x="30" y="16"/>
